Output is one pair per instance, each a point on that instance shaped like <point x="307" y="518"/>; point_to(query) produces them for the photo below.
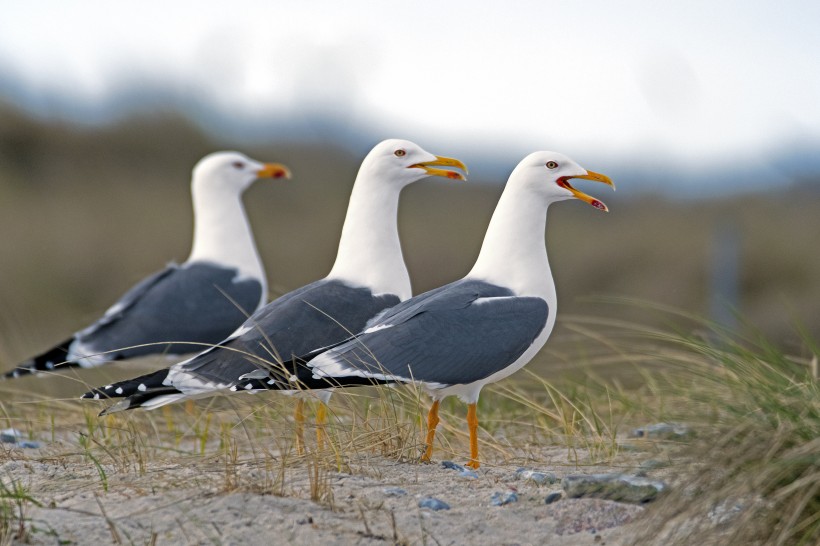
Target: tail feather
<point x="150" y="391"/>
<point x="54" y="358"/>
<point x="147" y="391"/>
<point x="302" y="378"/>
<point x="147" y="400"/>
<point x="137" y="386"/>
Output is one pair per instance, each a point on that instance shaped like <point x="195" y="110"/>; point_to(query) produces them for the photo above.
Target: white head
<point x="233" y="171"/>
<point x="402" y="162"/>
<point x="548" y="174"/>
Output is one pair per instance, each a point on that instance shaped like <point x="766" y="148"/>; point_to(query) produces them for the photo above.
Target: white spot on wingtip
<point x="50" y="365"/>
<point x="249" y="386"/>
<point x="96" y="396"/>
<point x="107" y="387"/>
<point x="142" y="387"/>
<point x="271" y="381"/>
<point x="119" y="390"/>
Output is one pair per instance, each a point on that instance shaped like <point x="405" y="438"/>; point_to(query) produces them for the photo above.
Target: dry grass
<point x="754" y="411"/>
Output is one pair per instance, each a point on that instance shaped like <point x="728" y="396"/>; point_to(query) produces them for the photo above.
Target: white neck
<point x="514" y="252"/>
<point x="222" y="234"/>
<point x="369" y="249"/>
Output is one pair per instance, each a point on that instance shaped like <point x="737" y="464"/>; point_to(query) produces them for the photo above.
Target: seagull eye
<point x="552" y="164"/>
<point x="400" y="153"/>
<point x="238" y="165"/>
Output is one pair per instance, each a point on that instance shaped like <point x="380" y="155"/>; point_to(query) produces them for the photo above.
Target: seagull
<point x="456" y="339"/>
<point x="199" y="301"/>
<point x="368" y="277"/>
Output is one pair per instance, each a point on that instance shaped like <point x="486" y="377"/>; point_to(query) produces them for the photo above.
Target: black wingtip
<point x="94" y="394"/>
<point x="129" y="387"/>
<point x="49" y="361"/>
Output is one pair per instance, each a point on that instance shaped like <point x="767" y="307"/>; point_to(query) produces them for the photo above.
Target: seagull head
<point x="234" y="171"/>
<point x="404" y="162"/>
<point x="549" y="173"/>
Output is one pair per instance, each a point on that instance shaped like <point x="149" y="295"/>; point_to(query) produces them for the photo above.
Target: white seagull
<point x="368" y="276"/>
<point x="200" y="301"/>
<point x="455" y="339"/>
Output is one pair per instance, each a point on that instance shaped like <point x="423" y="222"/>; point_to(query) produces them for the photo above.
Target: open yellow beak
<point x="564" y="183"/>
<point x="429" y="167"/>
<point x="273" y="170"/>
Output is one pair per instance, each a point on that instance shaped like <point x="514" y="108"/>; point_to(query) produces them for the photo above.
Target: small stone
<point x="450" y="465"/>
<point x="662" y="431"/>
<point x="468" y="473"/>
<point x="540" y="478"/>
<point x="433" y="504"/>
<point x="555" y="496"/>
<point x="616" y="487"/>
<point x="394" y="491"/>
<point x="650" y="464"/>
<point x="500" y="499"/>
<point x="29" y="445"/>
<point x="10" y="435"/>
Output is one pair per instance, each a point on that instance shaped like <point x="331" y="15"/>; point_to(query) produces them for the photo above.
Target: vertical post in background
<point x="725" y="274"/>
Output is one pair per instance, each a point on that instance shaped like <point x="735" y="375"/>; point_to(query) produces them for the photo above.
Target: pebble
<point x="650" y="464"/>
<point x="541" y="478"/>
<point x="10" y="435"/>
<point x="462" y="471"/>
<point x="500" y="499"/>
<point x="616" y="487"/>
<point x="433" y="504"/>
<point x="663" y="431"/>
<point x="394" y="491"/>
<point x="555" y="496"/>
<point x="13" y="436"/>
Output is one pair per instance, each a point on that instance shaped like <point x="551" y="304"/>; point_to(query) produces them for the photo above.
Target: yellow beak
<point x="440" y="161"/>
<point x="564" y="183"/>
<point x="273" y="170"/>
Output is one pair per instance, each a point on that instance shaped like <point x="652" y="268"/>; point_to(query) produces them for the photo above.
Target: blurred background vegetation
<point x="86" y="210"/>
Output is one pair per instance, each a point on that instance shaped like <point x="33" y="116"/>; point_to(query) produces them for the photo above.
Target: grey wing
<point x="451" y="339"/>
<point x="198" y="303"/>
<point x="317" y="315"/>
<point x="129" y="298"/>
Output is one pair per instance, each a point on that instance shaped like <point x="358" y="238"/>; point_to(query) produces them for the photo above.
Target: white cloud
<point x="693" y="79"/>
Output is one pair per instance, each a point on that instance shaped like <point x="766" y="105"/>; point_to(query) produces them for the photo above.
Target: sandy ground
<point x="198" y="501"/>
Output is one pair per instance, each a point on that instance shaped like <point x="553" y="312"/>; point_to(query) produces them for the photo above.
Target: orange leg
<point x="321" y="419"/>
<point x="299" y="419"/>
<point x="472" y="422"/>
<point x="432" y="422"/>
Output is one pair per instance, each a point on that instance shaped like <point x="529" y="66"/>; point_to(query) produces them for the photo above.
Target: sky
<point x="694" y="81"/>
